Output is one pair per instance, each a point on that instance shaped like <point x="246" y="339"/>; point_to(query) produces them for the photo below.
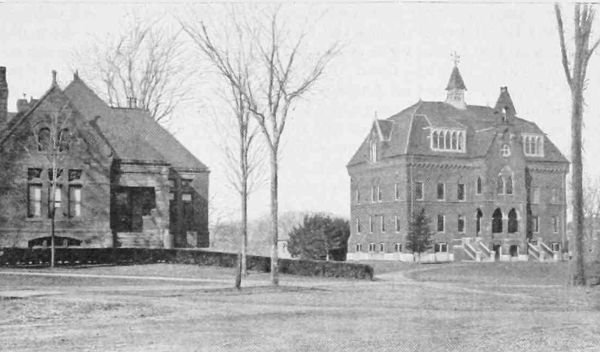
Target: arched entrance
<point x="497" y="221"/>
<point x="513" y="222"/>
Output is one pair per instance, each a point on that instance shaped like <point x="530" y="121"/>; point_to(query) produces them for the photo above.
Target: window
<point x="57" y="200"/>
<point x="440" y="223"/>
<point x="358" y="226"/>
<point x="186" y="197"/>
<point x="555" y="246"/>
<point x="43" y="139"/>
<point x="555" y="224"/>
<point x="555" y="197"/>
<point x="509" y="185"/>
<point x="505" y="150"/>
<point x="419" y="190"/>
<point x="461" y="224"/>
<point x="74" y="175"/>
<point x="51" y="175"/>
<point x="497" y="221"/>
<point x="535" y="223"/>
<point x="64" y="139"/>
<point x="398" y="247"/>
<point x="440" y="247"/>
<point x="533" y="145"/>
<point x="479" y="185"/>
<point x="447" y="140"/>
<point x="513" y="222"/>
<point x="440" y="191"/>
<point x="382" y="223"/>
<point x="370" y="224"/>
<point x="359" y="247"/>
<point x="535" y="198"/>
<point x="374" y="151"/>
<point x="34" y="205"/>
<point x="33" y="174"/>
<point x="382" y="247"/>
<point x="460" y="191"/>
<point x="373" y="194"/>
<point x="74" y="201"/>
<point x="371" y="247"/>
<point x="357" y="195"/>
<point x="397" y="222"/>
<point x="379" y="195"/>
<point x="396" y="191"/>
<point x="500" y="185"/>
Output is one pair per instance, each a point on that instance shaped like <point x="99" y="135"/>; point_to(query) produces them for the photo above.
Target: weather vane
<point x="455" y="57"/>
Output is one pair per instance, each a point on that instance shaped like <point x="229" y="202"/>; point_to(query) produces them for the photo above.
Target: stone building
<point x="122" y="179"/>
<point x="491" y="182"/>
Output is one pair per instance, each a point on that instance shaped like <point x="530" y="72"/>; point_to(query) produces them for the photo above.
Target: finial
<point x="455" y="58"/>
<point x="76" y="75"/>
<point x="54" y="78"/>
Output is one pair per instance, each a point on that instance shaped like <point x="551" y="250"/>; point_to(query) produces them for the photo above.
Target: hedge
<point x="14" y="257"/>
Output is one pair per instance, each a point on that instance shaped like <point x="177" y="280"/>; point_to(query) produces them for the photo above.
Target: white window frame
<point x="379" y="195"/>
<point x="381" y="247"/>
<point x="373" y="194"/>
<point x="533" y="144"/>
<point x="374" y="151"/>
<point x="371" y="247"/>
<point x="456" y="142"/>
<point x="396" y="191"/>
<point x="555" y="246"/>
<point x="437" y="191"/>
<point x="358" y="247"/>
<point x="505" y="150"/>
<point x="422" y="186"/>
<point x="536" y="224"/>
<point x="358" y="225"/>
<point x="370" y="224"/>
<point x="464" y="193"/>
<point x="437" y="224"/>
<point x="382" y="223"/>
<point x="398" y="247"/>
<point x="555" y="224"/>
<point x="458" y="218"/>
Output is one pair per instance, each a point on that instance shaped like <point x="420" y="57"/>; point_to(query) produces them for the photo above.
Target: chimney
<point x="3" y="99"/>
<point x="22" y="105"/>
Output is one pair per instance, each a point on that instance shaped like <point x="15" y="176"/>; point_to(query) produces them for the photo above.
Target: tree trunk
<point x="577" y="179"/>
<point x="274" y="219"/>
<point x="52" y="245"/>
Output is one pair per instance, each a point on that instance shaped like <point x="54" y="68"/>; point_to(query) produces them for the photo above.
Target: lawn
<point x="444" y="307"/>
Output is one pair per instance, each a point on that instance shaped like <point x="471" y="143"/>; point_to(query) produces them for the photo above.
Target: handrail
<point x="546" y="248"/>
<point x="485" y="249"/>
<point x="534" y="251"/>
<point x="470" y="251"/>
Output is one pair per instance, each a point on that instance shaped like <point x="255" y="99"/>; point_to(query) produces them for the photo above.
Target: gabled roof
<point x="505" y="102"/>
<point x="456" y="81"/>
<point x="411" y="128"/>
<point x="132" y="134"/>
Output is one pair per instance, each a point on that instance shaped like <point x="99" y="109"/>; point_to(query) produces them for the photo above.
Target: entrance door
<point x="497" y="249"/>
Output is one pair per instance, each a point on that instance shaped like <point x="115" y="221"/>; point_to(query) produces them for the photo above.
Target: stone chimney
<point x="3" y="99"/>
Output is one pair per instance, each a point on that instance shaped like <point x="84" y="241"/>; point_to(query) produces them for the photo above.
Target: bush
<point x="15" y="257"/>
<point x="592" y="273"/>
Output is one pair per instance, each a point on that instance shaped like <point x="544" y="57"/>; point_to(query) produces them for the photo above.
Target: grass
<point x="445" y="307"/>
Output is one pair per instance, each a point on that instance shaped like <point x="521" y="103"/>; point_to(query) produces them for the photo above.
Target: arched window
<point x="63" y="140"/>
<point x="454" y="141"/>
<point x="373" y="151"/>
<point x="479" y="187"/>
<point x="441" y="140"/>
<point x="44" y="139"/>
<point x="509" y="185"/>
<point x="513" y="222"/>
<point x="448" y="137"/>
<point x="434" y="140"/>
<point x="478" y="217"/>
<point x="500" y="185"/>
<point x="497" y="221"/>
<point x="460" y="141"/>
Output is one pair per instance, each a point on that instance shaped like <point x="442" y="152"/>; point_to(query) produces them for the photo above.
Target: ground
<point x="408" y="307"/>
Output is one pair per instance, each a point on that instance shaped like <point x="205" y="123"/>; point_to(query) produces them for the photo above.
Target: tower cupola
<point x="456" y="87"/>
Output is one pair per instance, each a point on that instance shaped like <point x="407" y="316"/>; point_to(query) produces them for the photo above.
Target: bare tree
<point x="575" y="72"/>
<point x="238" y="141"/>
<point x="280" y="80"/>
<point x="142" y="67"/>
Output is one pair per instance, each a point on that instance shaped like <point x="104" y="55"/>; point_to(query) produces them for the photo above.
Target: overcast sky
<point x="394" y="54"/>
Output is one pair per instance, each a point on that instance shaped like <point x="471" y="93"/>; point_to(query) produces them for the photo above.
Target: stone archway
<point x="513" y="221"/>
<point x="478" y="217"/>
<point x="497" y="221"/>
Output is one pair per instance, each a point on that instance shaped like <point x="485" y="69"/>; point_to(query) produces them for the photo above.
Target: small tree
<point x="419" y="235"/>
<point x="319" y="237"/>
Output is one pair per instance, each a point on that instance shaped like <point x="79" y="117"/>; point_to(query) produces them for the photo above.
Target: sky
<point x="393" y="55"/>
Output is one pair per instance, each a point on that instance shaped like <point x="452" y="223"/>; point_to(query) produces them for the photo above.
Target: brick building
<point x="122" y="179"/>
<point x="492" y="183"/>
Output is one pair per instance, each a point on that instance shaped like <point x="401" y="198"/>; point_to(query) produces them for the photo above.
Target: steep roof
<point x="132" y="133"/>
<point x="410" y="131"/>
<point x="456" y="81"/>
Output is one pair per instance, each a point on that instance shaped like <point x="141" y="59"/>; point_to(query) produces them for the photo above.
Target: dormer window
<point x="505" y="151"/>
<point x="450" y="140"/>
<point x="533" y="145"/>
<point x="374" y="151"/>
